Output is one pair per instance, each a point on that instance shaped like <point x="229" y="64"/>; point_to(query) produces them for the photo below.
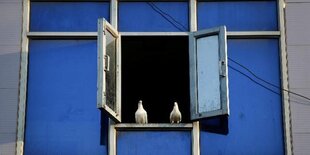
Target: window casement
<point x="108" y="66"/>
<point x="207" y="68"/>
<point x="208" y="73"/>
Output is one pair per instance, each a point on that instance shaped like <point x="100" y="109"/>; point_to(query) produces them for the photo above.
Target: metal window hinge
<point x="103" y="100"/>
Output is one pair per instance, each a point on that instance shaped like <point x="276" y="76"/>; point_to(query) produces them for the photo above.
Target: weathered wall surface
<point x="298" y="48"/>
<point x="10" y="46"/>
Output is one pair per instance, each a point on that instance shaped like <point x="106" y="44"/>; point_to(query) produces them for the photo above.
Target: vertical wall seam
<point x="287" y="123"/>
<point x="23" y="80"/>
<point x="288" y="85"/>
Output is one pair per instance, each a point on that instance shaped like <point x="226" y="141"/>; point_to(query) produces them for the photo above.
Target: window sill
<point x="153" y="126"/>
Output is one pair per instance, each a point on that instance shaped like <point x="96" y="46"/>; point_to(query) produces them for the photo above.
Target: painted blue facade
<point x="61" y="118"/>
<point x="145" y="17"/>
<point x="61" y="111"/>
<point x="61" y="94"/>
<point x="238" y="16"/>
<point x="67" y="16"/>
<point x="255" y="121"/>
<point x="154" y="142"/>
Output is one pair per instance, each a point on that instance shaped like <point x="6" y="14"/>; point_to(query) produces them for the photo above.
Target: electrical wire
<point x="252" y="73"/>
<point x="159" y="11"/>
<point x="164" y="14"/>
<point x="265" y="87"/>
<point x="184" y="28"/>
<point x="252" y="79"/>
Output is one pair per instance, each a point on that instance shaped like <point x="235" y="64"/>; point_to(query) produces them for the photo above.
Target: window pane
<point x="61" y="97"/>
<point x="153" y="16"/>
<point x="111" y="73"/>
<point x="238" y="16"/>
<point x="67" y="16"/>
<point x="208" y="74"/>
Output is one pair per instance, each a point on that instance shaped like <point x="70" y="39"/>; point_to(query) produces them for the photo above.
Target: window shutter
<point x="208" y="73"/>
<point x="109" y="70"/>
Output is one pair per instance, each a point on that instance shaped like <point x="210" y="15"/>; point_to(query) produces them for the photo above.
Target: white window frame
<point x="103" y="67"/>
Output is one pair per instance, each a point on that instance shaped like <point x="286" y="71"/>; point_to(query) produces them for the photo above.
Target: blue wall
<point x="67" y="16"/>
<point x="255" y="121"/>
<point x="62" y="117"/>
<point x="153" y="16"/>
<point x="61" y="114"/>
<point x="154" y="143"/>
<point x="238" y="15"/>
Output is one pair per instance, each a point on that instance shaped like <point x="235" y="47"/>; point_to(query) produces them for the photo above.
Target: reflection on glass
<point x="208" y="74"/>
<point x="111" y="73"/>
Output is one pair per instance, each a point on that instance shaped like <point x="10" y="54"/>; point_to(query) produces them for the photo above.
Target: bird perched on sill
<point x="141" y="115"/>
<point x="175" y="115"/>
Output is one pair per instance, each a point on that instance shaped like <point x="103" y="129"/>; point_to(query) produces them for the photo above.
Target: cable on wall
<point x="265" y="87"/>
<point x="166" y="16"/>
<point x="269" y="83"/>
<point x="181" y="27"/>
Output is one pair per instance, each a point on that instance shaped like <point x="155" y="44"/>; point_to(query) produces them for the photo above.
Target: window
<point x="207" y="70"/>
<point x="208" y="73"/>
<point x="155" y="70"/>
<point x="61" y="39"/>
<point x="108" y="84"/>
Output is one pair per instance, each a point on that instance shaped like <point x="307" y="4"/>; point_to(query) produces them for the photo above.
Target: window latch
<point x="222" y="72"/>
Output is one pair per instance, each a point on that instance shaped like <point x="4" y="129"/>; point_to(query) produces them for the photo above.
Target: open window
<point x="208" y="73"/>
<point x="108" y="78"/>
<point x="155" y="70"/>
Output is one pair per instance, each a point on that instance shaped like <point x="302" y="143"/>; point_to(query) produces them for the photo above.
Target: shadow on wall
<point x="217" y="125"/>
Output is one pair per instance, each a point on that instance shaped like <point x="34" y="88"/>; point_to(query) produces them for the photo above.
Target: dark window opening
<point x="155" y="69"/>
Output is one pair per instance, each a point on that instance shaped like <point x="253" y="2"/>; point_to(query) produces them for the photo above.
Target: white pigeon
<point x="175" y="115"/>
<point x="141" y="115"/>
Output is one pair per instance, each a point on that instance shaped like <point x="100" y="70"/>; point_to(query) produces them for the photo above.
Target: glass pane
<point x="208" y="74"/>
<point x="153" y="16"/>
<point x="111" y="73"/>
<point x="238" y="16"/>
<point x="67" y="16"/>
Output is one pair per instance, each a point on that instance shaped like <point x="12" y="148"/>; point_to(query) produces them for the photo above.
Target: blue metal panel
<point x="153" y="16"/>
<point x="255" y="121"/>
<point x="238" y="16"/>
<point x="62" y="117"/>
<point x="154" y="143"/>
<point x="67" y="16"/>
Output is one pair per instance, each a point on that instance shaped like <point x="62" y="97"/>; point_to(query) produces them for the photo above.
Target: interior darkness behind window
<point x="155" y="70"/>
